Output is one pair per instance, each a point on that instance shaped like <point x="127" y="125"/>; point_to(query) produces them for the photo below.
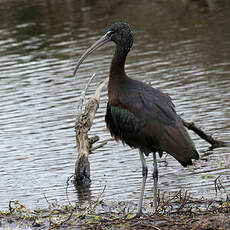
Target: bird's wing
<point x="150" y="104"/>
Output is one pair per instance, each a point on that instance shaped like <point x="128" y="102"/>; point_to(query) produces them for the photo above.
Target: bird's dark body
<point x="145" y="118"/>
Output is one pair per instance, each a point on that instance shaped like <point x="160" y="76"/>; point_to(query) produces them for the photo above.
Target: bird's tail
<point x="179" y="144"/>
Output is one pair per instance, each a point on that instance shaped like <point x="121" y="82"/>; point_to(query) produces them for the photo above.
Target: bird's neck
<point x="118" y="62"/>
<point x="117" y="74"/>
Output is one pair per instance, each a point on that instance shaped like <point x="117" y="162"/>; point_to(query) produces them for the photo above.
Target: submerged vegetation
<point x="177" y="212"/>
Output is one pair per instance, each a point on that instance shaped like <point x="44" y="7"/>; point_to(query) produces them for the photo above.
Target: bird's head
<point x="119" y="33"/>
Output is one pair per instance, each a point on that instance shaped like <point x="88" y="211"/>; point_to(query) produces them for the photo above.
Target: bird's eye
<point x="109" y="33"/>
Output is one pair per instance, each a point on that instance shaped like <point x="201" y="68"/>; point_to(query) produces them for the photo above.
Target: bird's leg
<point x="144" y="174"/>
<point x="155" y="180"/>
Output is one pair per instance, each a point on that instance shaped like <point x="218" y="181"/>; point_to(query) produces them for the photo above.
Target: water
<point x="182" y="48"/>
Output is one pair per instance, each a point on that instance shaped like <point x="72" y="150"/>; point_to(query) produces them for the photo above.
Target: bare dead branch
<point x="214" y="143"/>
<point x="66" y="189"/>
<point x="103" y="143"/>
<point x="82" y="98"/>
<point x="94" y="139"/>
<point x="84" y="121"/>
<point x="99" y="89"/>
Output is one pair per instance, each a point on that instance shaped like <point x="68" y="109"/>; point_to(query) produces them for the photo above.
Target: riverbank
<point x="178" y="212"/>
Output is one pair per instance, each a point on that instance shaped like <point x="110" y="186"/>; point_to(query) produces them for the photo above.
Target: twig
<point x="219" y="185"/>
<point x="100" y="145"/>
<point x="91" y="204"/>
<point x="101" y="193"/>
<point x="66" y="189"/>
<point x="97" y="147"/>
<point x="94" y="139"/>
<point x="61" y="223"/>
<point x="183" y="200"/>
<point x="49" y="203"/>
<point x="99" y="89"/>
<point x="166" y="203"/>
<point x="215" y="143"/>
<point x="82" y="98"/>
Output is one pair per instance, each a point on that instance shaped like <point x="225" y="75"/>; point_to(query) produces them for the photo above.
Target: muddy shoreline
<point x="177" y="212"/>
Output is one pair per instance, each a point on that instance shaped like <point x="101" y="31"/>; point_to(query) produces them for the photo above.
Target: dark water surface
<point x="181" y="47"/>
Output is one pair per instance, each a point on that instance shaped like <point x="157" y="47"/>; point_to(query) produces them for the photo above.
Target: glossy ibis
<point x="139" y="115"/>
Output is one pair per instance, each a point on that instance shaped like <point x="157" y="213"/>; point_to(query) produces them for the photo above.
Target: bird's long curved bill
<point x="96" y="45"/>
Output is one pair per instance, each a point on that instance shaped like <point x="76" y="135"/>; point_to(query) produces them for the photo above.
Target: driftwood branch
<point x="213" y="142"/>
<point x="84" y="121"/>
